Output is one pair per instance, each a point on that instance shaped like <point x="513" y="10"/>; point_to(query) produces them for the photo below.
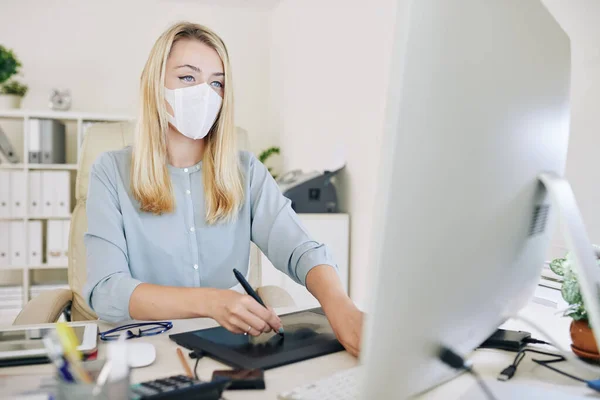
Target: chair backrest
<point x="102" y="137"/>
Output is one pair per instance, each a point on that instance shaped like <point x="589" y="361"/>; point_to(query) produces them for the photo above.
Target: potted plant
<point x="11" y="91"/>
<point x="584" y="343"/>
<point x="266" y="154"/>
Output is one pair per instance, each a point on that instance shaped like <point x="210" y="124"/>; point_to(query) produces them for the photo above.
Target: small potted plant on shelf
<point x="584" y="343"/>
<point x="266" y="154"/>
<point x="11" y="91"/>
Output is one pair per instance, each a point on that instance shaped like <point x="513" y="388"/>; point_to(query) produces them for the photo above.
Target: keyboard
<point x="343" y="385"/>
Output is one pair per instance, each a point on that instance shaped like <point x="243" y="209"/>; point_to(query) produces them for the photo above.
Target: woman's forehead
<point x="193" y="53"/>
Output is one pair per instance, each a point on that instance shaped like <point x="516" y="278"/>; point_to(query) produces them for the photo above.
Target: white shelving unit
<point x="80" y="118"/>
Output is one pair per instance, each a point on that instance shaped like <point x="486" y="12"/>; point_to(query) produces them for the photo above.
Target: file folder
<point x="18" y="257"/>
<point x="4" y="194"/>
<point x="48" y="193"/>
<point x="62" y="199"/>
<point x="17" y="194"/>
<point x="53" y="141"/>
<point x="35" y="145"/>
<point x="4" y="243"/>
<point x="35" y="194"/>
<point x="54" y="239"/>
<point x="8" y="152"/>
<point x="35" y="243"/>
<point x="65" y="242"/>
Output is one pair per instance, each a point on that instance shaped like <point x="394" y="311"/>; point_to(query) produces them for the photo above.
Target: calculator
<point x="179" y="387"/>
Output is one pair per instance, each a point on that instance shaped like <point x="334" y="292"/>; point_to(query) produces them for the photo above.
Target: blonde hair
<point x="150" y="180"/>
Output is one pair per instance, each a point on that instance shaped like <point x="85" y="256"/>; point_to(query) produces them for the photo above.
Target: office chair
<point x="49" y="306"/>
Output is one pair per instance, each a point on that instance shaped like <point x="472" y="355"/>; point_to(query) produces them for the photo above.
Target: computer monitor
<point x="479" y="108"/>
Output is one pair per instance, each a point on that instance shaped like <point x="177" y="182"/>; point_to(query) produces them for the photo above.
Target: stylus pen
<point x="250" y="291"/>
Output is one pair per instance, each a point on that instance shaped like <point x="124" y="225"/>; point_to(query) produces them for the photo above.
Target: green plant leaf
<point x="14" y="87"/>
<point x="557" y="266"/>
<point x="570" y="289"/>
<point x="266" y="154"/>
<point x="9" y="64"/>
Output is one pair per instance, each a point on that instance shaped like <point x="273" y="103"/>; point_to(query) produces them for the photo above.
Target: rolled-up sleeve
<point x="109" y="282"/>
<point x="278" y="232"/>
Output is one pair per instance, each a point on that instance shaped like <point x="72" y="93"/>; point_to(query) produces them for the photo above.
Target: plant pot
<point x="584" y="343"/>
<point x="10" y="101"/>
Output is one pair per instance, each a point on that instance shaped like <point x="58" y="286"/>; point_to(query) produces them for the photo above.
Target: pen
<point x="69" y="341"/>
<point x="184" y="364"/>
<point x="250" y="291"/>
<point x="54" y="352"/>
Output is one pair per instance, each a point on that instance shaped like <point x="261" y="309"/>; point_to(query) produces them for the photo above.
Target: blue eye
<point x="187" y="79"/>
<point x="217" y="84"/>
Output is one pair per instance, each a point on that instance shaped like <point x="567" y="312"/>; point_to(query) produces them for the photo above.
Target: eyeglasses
<point x="151" y="329"/>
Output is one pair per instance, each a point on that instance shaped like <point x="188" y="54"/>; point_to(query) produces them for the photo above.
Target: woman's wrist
<point x="331" y="301"/>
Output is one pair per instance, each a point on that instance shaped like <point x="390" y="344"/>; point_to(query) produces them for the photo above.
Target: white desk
<point x="487" y="362"/>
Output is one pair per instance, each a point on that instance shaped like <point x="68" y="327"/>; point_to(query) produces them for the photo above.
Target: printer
<point x="310" y="192"/>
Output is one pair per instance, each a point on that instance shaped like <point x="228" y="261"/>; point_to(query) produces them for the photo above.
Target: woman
<point x="170" y="217"/>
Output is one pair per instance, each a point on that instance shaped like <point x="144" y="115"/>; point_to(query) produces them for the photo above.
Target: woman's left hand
<point x="345" y="319"/>
<point x="347" y="323"/>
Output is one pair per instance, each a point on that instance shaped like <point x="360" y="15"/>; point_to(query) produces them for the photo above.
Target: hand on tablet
<point x="240" y="313"/>
<point x="347" y="323"/>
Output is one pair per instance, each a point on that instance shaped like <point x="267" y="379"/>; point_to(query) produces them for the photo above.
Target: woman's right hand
<point x="240" y="313"/>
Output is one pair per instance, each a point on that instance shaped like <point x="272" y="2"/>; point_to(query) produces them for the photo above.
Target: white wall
<point x="580" y="19"/>
<point x="330" y="67"/>
<point x="98" y="50"/>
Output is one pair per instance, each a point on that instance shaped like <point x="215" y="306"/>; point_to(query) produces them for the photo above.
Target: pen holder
<point x="116" y="390"/>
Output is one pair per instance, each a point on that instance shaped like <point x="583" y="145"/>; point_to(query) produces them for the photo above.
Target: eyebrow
<point x="198" y="69"/>
<point x="190" y="67"/>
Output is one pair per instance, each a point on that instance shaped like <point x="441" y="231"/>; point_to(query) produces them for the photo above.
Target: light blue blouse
<point x="126" y="246"/>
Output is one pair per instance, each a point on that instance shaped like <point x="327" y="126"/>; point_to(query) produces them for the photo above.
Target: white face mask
<point x="195" y="108"/>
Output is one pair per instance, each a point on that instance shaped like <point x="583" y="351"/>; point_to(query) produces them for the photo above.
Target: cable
<point x="454" y="360"/>
<point x="545" y="363"/>
<point x="197" y="354"/>
<point x="568" y="355"/>
<point x="196" y="369"/>
<point x="510" y="371"/>
<point x="481" y="384"/>
<point x="531" y="340"/>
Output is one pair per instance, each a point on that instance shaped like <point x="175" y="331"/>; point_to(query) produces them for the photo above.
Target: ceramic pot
<point x="9" y="101"/>
<point x="584" y="343"/>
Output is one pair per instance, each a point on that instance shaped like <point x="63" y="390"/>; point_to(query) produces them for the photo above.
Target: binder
<point x="35" y="194"/>
<point x="4" y="243"/>
<point x="65" y="242"/>
<point x="18" y="257"/>
<point x="35" y="145"/>
<point x="4" y="194"/>
<point x="35" y="243"/>
<point x="8" y="152"/>
<point x="52" y="140"/>
<point x="48" y="193"/>
<point x="54" y="239"/>
<point x="17" y="194"/>
<point x="62" y="194"/>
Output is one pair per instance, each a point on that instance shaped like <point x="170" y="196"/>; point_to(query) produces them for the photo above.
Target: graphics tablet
<point x="307" y="335"/>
